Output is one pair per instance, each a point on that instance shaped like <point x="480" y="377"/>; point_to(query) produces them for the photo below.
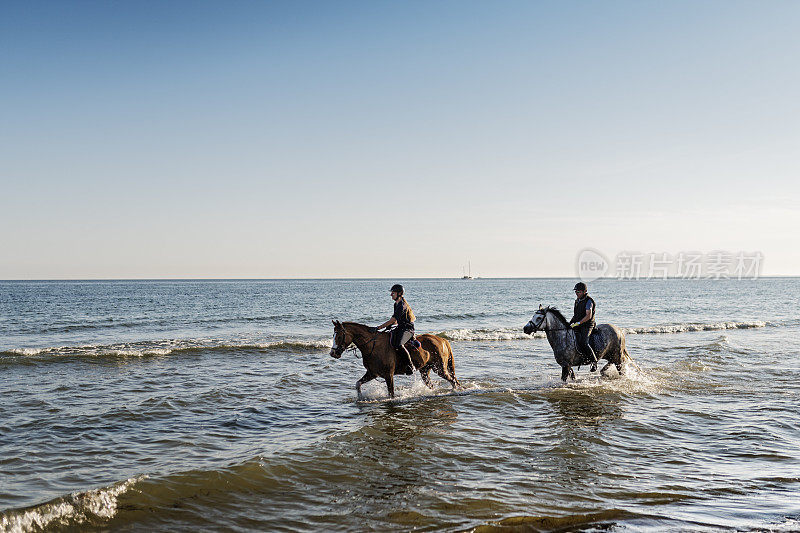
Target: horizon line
<point x="774" y="276"/>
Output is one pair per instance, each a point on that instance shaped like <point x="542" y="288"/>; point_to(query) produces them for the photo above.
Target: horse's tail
<point x="623" y="349"/>
<point x="626" y="357"/>
<point x="451" y="369"/>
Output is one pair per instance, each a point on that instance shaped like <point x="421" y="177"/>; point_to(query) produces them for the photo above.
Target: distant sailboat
<point x="468" y="275"/>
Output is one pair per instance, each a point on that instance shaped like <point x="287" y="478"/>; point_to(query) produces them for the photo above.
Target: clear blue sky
<point x="393" y="139"/>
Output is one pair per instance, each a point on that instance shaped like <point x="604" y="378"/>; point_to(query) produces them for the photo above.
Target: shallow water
<point x="188" y="405"/>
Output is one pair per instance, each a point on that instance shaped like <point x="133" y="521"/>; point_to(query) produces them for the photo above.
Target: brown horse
<point x="380" y="359"/>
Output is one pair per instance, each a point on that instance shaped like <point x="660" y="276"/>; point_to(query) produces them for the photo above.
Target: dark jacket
<point x="580" y="310"/>
<point x="404" y="315"/>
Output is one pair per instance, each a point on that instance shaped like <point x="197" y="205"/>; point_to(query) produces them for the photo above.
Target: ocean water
<point x="214" y="405"/>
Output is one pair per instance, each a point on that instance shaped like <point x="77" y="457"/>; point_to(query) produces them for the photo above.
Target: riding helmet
<point x="397" y="288"/>
<point x="580" y="286"/>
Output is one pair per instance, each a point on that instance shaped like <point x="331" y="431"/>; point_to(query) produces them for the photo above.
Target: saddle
<point x="596" y="343"/>
<point x="413" y="343"/>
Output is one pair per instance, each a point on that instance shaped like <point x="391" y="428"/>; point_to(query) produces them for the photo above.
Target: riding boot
<point x="585" y="347"/>
<point x="593" y="357"/>
<point x="590" y="352"/>
<point x="405" y="358"/>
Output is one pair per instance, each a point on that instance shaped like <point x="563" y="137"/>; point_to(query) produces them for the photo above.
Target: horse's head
<point x="537" y="321"/>
<point x="341" y="339"/>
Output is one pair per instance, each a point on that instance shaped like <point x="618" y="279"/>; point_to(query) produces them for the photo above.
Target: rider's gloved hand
<point x="575" y="324"/>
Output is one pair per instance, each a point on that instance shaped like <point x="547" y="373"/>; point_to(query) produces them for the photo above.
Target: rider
<point x="583" y="322"/>
<point x="404" y="318"/>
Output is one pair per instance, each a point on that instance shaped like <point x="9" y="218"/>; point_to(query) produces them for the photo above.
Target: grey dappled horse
<point x="607" y="341"/>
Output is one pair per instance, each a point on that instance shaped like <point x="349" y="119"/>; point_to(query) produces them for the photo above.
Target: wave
<point x="498" y="334"/>
<point x="300" y="346"/>
<point x="600" y="520"/>
<point x="696" y="326"/>
<point x="118" y="503"/>
<point x="512" y="334"/>
<point x="92" y="507"/>
<point x="161" y="348"/>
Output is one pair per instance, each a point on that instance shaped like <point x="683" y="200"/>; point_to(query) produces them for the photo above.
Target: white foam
<point x="500" y="334"/>
<point x="29" y="351"/>
<point x="693" y="326"/>
<point x="160" y="348"/>
<point x="512" y="334"/>
<point x="789" y="524"/>
<point x="69" y="511"/>
<point x="634" y="381"/>
<point x="376" y="391"/>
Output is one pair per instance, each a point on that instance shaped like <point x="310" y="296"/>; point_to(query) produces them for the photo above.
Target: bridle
<point x="339" y="350"/>
<point x="543" y="325"/>
<point x="353" y="347"/>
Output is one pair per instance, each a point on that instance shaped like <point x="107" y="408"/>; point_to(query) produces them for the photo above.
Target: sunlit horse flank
<point x="607" y="341"/>
<point x="380" y="359"/>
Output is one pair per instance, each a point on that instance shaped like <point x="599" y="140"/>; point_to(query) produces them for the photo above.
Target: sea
<point x="214" y="405"/>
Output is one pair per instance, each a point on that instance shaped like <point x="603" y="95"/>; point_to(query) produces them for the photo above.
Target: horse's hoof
<point x="593" y="368"/>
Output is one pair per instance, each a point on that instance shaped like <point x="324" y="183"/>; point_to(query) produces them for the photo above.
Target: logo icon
<point x="591" y="265"/>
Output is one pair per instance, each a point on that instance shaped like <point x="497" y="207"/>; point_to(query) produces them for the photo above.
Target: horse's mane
<point x="557" y="314"/>
<point x="356" y="324"/>
<point x="359" y="328"/>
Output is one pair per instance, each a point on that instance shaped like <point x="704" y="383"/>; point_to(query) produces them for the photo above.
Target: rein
<point x="545" y="329"/>
<point x="556" y="329"/>
<point x="355" y="349"/>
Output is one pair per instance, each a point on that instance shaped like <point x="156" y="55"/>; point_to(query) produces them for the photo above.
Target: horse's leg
<point x="390" y="384"/>
<point x="447" y="374"/>
<point x="369" y="376"/>
<point x="571" y="374"/>
<point x="441" y="370"/>
<point x="426" y="378"/>
<point x="565" y="372"/>
<point x="446" y="371"/>
<point x="451" y="369"/>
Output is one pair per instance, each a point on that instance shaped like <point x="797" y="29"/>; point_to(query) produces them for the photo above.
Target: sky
<point x="393" y="139"/>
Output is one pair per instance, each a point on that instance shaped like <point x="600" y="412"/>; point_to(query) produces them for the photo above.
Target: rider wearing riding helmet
<point x="404" y="318"/>
<point x="583" y="322"/>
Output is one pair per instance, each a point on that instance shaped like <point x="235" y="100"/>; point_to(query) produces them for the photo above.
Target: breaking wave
<point x="80" y="508"/>
<point x="499" y="334"/>
<point x="695" y="326"/>
<point x="512" y="334"/>
<point x="300" y="346"/>
<point x="161" y="348"/>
